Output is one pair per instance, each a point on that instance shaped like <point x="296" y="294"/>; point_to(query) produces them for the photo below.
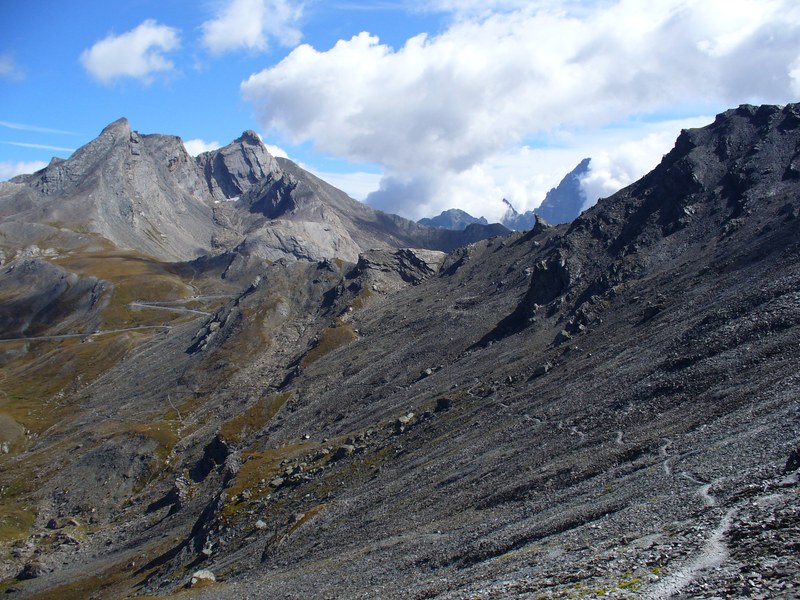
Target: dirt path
<point x="702" y="491"/>
<point x="663" y="453"/>
<point x="66" y="336"/>
<point x="713" y="553"/>
<point x="159" y="306"/>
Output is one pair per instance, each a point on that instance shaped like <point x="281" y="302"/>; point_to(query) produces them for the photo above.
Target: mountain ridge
<point x="145" y="192"/>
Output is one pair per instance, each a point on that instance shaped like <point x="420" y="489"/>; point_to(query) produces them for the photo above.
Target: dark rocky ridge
<point x="602" y="408"/>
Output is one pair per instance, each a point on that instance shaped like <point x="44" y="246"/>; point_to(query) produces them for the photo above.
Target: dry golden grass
<point x="253" y="419"/>
<point x="329" y="340"/>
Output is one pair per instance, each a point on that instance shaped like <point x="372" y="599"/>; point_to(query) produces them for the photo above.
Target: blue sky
<point x="428" y="105"/>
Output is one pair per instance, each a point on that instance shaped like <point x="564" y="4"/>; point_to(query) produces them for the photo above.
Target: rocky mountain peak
<point x="515" y="220"/>
<point x="564" y="202"/>
<point x="121" y="125"/>
<point x="249" y="137"/>
<point x="234" y="169"/>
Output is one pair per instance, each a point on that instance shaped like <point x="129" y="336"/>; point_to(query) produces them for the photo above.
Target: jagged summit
<point x="515" y="220"/>
<point x="564" y="202"/>
<point x="232" y="170"/>
<point x="250" y="137"/>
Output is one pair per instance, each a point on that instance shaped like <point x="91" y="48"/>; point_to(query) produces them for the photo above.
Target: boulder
<point x="201" y="576"/>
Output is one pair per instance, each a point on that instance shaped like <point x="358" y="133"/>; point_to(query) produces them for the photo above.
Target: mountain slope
<point x="609" y="404"/>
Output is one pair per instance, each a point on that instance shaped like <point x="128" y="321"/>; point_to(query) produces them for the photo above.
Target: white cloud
<point x="276" y="151"/>
<point x="39" y="146"/>
<point x="357" y="184"/>
<point x="252" y="24"/>
<point x="12" y="169"/>
<point x="9" y="68"/>
<point x="794" y="75"/>
<point x="137" y="54"/>
<point x="443" y="113"/>
<point x="35" y="128"/>
<point x="195" y="147"/>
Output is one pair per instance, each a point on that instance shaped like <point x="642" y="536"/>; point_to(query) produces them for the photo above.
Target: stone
<point x="260" y="525"/>
<point x="52" y="524"/>
<point x="31" y="571"/>
<point x="202" y="576"/>
<point x="344" y="451"/>
<point x="543" y="369"/>
<point x="443" y="404"/>
<point x="793" y="462"/>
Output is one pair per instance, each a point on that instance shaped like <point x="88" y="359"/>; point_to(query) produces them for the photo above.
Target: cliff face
<point x="610" y="403"/>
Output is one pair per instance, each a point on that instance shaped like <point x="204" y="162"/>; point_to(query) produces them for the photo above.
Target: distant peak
<point x="510" y="206"/>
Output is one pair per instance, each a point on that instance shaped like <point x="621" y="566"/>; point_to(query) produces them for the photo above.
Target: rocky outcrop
<point x="42" y="296"/>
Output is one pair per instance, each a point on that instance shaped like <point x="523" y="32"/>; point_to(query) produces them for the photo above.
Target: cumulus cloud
<point x="138" y="54"/>
<point x="12" y="169"/>
<point x="195" y="147"/>
<point x="252" y="24"/>
<point x="444" y="113"/>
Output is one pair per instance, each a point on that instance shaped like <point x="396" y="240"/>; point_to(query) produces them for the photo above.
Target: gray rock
<point x="344" y="451"/>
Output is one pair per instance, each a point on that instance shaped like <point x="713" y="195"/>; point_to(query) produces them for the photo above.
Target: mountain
<point x="146" y="194"/>
<point x="453" y="218"/>
<point x="517" y="221"/>
<point x="601" y="408"/>
<point x="564" y="202"/>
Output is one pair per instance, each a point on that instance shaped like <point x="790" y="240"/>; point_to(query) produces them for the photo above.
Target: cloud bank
<point x="252" y="25"/>
<point x="456" y="119"/>
<point x="136" y="54"/>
